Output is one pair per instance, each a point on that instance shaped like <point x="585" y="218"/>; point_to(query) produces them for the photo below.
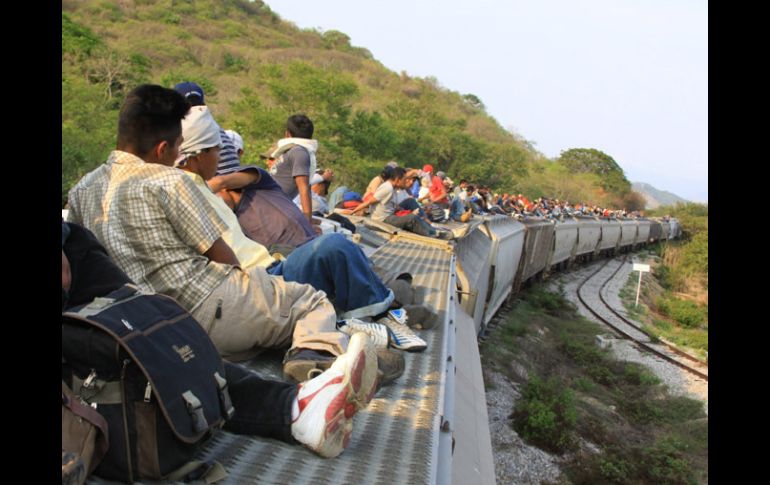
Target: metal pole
<point x="638" y="287"/>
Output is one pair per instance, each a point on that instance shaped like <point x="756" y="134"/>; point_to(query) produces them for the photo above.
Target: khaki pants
<point x="258" y="310"/>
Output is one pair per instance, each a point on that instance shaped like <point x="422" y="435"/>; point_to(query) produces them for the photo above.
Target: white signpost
<point x="641" y="268"/>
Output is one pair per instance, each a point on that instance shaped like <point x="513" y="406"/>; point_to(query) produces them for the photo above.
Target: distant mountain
<point x="655" y="197"/>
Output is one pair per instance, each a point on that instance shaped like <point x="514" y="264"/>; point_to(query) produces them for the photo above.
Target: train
<point x="431" y="425"/>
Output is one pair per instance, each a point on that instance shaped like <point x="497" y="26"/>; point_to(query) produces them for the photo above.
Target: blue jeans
<point x="411" y="204"/>
<point x="340" y="268"/>
<point x="413" y="223"/>
<point x="456" y="209"/>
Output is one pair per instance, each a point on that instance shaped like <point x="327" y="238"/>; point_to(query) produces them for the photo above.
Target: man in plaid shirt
<point x="165" y="235"/>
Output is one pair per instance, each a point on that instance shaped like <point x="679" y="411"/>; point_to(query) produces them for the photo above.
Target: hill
<point x="257" y="69"/>
<point x="655" y="197"/>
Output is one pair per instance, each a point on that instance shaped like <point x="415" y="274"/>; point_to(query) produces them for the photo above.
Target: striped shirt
<point x="228" y="155"/>
<point x="154" y="223"/>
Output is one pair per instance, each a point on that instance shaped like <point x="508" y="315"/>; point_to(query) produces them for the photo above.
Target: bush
<point x="77" y="39"/>
<point x="551" y="303"/>
<point x="664" y="463"/>
<point x="546" y="415"/>
<point x="637" y="375"/>
<point x="685" y="312"/>
<point x="615" y="468"/>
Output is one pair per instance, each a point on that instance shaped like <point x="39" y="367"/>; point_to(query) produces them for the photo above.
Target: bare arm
<point x="236" y="180"/>
<point x="303" y="185"/>
<point x="220" y="252"/>
<point x="363" y="205"/>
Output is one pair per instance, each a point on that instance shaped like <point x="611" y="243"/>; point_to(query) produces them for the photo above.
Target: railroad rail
<point x="644" y="345"/>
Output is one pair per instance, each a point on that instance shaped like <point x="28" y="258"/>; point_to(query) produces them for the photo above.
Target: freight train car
<point x="430" y="426"/>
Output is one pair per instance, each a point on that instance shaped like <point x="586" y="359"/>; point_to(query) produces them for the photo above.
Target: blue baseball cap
<point x="350" y="195"/>
<point x="188" y="89"/>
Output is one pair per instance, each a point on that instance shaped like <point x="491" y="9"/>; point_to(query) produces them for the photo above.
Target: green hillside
<point x="258" y="69"/>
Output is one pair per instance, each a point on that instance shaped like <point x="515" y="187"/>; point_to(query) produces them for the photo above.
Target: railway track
<point x="629" y="330"/>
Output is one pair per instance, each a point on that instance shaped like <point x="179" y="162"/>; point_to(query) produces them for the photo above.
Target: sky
<point x="627" y="77"/>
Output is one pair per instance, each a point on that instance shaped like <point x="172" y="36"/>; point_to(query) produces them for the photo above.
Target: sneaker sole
<point x="362" y="378"/>
<point x="358" y="387"/>
<point x="416" y="348"/>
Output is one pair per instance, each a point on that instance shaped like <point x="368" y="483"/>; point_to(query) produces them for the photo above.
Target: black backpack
<point x="436" y="213"/>
<point x="146" y="365"/>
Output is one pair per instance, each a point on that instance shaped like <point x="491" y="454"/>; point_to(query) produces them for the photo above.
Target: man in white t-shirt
<point x="385" y="207"/>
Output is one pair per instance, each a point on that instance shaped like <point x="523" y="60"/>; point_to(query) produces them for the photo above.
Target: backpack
<point x="148" y="367"/>
<point x="436" y="213"/>
<point x="84" y="437"/>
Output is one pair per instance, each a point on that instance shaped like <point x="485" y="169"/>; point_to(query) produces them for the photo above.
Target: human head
<point x="397" y="179"/>
<point x="299" y="126"/>
<point x="150" y="123"/>
<point x="387" y="172"/>
<point x="237" y="141"/>
<point x="199" y="151"/>
<point x="318" y="184"/>
<point x="191" y="91"/>
<point x="427" y="168"/>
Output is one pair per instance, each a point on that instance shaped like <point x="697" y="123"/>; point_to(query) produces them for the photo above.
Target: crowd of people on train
<point x="174" y="210"/>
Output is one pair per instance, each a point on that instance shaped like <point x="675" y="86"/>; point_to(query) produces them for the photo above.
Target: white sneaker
<point x="401" y="336"/>
<point x="328" y="402"/>
<point x="399" y="315"/>
<point x="377" y="332"/>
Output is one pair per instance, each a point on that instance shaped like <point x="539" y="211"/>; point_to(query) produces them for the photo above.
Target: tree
<point x="590" y="160"/>
<point x="634" y="201"/>
<point x="474" y="101"/>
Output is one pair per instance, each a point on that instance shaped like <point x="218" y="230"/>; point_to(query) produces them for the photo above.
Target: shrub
<point x="77" y="39"/>
<point x="615" y="469"/>
<point x="665" y="464"/>
<point x="546" y="414"/>
<point x="638" y="375"/>
<point x="552" y="303"/>
<point x="685" y="312"/>
<point x="235" y="63"/>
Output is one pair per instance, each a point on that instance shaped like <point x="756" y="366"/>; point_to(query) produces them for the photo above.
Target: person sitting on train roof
<point x="378" y="179"/>
<point x="331" y="262"/>
<point x="403" y="199"/>
<point x="319" y="190"/>
<point x="288" y="412"/>
<point x="437" y="193"/>
<point x="385" y="208"/>
<point x="160" y="229"/>
<point x="194" y="95"/>
<point x="295" y="161"/>
<point x="459" y="207"/>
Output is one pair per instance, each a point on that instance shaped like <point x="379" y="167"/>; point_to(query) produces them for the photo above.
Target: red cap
<point x="427" y="168"/>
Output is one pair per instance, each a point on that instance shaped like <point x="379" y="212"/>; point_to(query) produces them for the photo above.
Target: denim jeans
<point x="411" y="204"/>
<point x="413" y="223"/>
<point x="456" y="209"/>
<point x="340" y="268"/>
